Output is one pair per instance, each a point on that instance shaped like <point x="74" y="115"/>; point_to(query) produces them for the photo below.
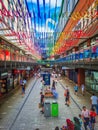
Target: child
<point x="77" y="124"/>
<point x="80" y="120"/>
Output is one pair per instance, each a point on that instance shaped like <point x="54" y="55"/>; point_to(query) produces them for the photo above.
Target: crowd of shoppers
<point x="88" y="116"/>
<point x="86" y="119"/>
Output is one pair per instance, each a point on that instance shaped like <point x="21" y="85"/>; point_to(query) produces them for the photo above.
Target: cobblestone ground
<point x="22" y="113"/>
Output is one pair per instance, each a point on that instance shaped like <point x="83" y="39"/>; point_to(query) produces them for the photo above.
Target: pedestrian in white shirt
<point x="85" y="116"/>
<point x="94" y="102"/>
<point x="82" y="89"/>
<point x="24" y="81"/>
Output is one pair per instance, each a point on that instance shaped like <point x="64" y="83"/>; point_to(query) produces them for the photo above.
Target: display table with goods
<point x="48" y="95"/>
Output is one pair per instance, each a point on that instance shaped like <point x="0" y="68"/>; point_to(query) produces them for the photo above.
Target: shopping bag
<point x="39" y="105"/>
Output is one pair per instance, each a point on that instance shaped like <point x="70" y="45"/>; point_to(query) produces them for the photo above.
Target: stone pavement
<point x="22" y="113"/>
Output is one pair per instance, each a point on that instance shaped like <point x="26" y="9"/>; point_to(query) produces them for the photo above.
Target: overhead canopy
<point x="33" y="25"/>
<point x="15" y="25"/>
<point x="44" y="15"/>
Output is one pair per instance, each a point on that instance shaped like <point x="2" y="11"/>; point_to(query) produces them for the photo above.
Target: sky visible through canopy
<point x="44" y="16"/>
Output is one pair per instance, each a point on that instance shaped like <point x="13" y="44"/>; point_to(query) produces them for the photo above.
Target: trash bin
<point x="54" y="109"/>
<point x="47" y="109"/>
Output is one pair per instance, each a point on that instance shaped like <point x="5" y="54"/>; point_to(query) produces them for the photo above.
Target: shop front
<point x="91" y="80"/>
<point x="3" y="83"/>
<point x="73" y="75"/>
<point x="10" y="81"/>
<point x="16" y="77"/>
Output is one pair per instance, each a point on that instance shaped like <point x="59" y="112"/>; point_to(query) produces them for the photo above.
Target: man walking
<point x="94" y="102"/>
<point x="85" y="116"/>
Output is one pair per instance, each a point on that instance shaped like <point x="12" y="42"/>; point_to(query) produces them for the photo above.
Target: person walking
<point x="86" y="117"/>
<point x="42" y="102"/>
<point x="53" y="85"/>
<point x="77" y="124"/>
<point x="76" y="89"/>
<point x="94" y="102"/>
<point x="92" y="118"/>
<point x="23" y="88"/>
<point x="67" y="97"/>
<point x="80" y="120"/>
<point x="82" y="89"/>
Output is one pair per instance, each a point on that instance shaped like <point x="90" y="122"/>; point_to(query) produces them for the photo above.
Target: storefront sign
<point x="4" y="75"/>
<point x="16" y="71"/>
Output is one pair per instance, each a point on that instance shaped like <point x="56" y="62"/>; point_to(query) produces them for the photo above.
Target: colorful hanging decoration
<point x="8" y="18"/>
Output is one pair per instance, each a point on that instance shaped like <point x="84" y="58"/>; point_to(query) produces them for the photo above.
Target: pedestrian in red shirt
<point x="92" y="114"/>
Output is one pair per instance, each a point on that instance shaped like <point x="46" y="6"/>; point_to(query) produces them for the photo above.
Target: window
<point x="91" y="80"/>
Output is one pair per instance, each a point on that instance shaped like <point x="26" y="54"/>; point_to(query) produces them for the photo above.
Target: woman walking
<point x="67" y="97"/>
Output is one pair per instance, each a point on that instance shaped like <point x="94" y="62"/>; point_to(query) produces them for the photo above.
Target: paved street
<point x="22" y="113"/>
